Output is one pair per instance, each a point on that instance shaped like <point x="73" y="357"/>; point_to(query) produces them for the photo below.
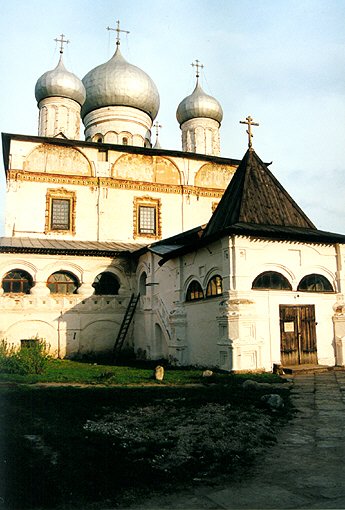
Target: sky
<point x="280" y="61"/>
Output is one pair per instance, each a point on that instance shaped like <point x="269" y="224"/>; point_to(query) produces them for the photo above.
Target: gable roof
<point x="255" y="196"/>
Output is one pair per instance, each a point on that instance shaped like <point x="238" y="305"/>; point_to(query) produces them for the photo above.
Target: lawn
<point x="112" y="441"/>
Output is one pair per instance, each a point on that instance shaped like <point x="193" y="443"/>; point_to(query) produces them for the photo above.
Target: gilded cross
<point x="198" y="66"/>
<point x="250" y="123"/>
<point x="62" y="41"/>
<point x="118" y="30"/>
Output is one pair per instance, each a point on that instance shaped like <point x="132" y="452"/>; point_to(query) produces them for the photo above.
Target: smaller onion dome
<point x="199" y="104"/>
<point x="60" y="83"/>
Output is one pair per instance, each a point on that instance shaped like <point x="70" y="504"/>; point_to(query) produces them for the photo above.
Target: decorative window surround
<point x="147" y="220"/>
<point x="68" y="201"/>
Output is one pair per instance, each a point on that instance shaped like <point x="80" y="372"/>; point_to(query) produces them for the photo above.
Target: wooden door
<point x="297" y="335"/>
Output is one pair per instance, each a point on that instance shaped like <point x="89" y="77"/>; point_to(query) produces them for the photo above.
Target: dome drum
<point x="201" y="136"/>
<point x="59" y="115"/>
<point x="119" y="124"/>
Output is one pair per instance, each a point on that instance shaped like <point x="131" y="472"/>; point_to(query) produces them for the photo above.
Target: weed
<point x="31" y="358"/>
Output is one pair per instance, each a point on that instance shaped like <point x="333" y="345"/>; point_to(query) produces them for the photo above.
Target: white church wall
<point x="72" y="324"/>
<point x="294" y="261"/>
<point x="187" y="189"/>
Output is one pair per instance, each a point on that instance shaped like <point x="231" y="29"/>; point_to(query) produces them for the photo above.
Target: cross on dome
<point x="118" y="30"/>
<point x="157" y="126"/>
<point x="249" y="121"/>
<point x="198" y="66"/>
<point x="62" y="41"/>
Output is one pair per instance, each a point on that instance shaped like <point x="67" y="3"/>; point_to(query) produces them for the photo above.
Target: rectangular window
<point x="147" y="220"/>
<point x="60" y="214"/>
<point x="60" y="211"/>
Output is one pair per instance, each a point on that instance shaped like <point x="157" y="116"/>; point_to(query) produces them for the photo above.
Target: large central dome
<point x="118" y="83"/>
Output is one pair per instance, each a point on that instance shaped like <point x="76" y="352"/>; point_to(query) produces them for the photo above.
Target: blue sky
<point x="280" y="61"/>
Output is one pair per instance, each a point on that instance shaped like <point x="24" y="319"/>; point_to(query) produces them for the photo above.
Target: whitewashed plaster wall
<point x="249" y="258"/>
<point x="72" y="324"/>
<point x="240" y="330"/>
<point x="105" y="190"/>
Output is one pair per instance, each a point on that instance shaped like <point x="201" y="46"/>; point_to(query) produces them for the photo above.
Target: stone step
<point x="310" y="369"/>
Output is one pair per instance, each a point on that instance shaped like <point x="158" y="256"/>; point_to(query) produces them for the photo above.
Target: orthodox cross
<point x="62" y="41"/>
<point x="118" y="30"/>
<point x="198" y="66"/>
<point x="250" y="123"/>
<point x="157" y="126"/>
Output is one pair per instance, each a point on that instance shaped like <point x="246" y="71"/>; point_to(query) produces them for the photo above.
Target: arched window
<point x="194" y="291"/>
<point x="214" y="286"/>
<point x="62" y="282"/>
<point x="124" y="140"/>
<point x="106" y="284"/>
<point x="17" y="281"/>
<point x="142" y="284"/>
<point x="315" y="283"/>
<point x="271" y="280"/>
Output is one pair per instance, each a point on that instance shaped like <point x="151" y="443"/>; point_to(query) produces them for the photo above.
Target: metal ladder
<point x="125" y="325"/>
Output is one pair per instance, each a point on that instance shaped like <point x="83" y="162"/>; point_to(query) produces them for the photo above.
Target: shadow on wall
<point x="74" y="322"/>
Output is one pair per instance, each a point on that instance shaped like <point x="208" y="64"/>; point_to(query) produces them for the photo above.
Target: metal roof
<point x="54" y="246"/>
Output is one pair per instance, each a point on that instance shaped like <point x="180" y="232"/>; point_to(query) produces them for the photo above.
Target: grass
<point x="106" y="446"/>
<point x="67" y="371"/>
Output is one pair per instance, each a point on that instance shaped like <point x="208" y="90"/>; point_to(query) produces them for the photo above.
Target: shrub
<point x="7" y="357"/>
<point x="30" y="359"/>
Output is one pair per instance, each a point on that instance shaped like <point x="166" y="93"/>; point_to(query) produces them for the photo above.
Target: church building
<point x="113" y="243"/>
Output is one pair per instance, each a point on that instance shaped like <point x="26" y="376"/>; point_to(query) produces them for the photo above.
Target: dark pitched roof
<point x="254" y="204"/>
<point x="255" y="196"/>
<point x="54" y="246"/>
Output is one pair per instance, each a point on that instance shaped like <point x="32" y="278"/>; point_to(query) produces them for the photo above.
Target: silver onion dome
<point x="60" y="83"/>
<point x="118" y="83"/>
<point x="199" y="104"/>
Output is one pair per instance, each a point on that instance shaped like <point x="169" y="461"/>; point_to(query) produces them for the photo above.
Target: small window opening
<point x="147" y="219"/>
<point x="62" y="282"/>
<point x="271" y="280"/>
<point x="194" y="291"/>
<point x="214" y="286"/>
<point x="106" y="284"/>
<point x="17" y="282"/>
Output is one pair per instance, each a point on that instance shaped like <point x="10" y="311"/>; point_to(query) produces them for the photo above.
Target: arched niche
<point x="212" y="175"/>
<point x="57" y="159"/>
<point x="154" y="169"/>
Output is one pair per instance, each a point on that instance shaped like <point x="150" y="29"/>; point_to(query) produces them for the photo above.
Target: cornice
<point x="108" y="182"/>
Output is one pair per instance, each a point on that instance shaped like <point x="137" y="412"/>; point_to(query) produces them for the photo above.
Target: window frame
<point x="282" y="278"/>
<point x="60" y="194"/>
<point x="74" y="281"/>
<point x="210" y="283"/>
<point x="152" y="203"/>
<point x="23" y="280"/>
<point x="322" y="280"/>
<point x="189" y="293"/>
